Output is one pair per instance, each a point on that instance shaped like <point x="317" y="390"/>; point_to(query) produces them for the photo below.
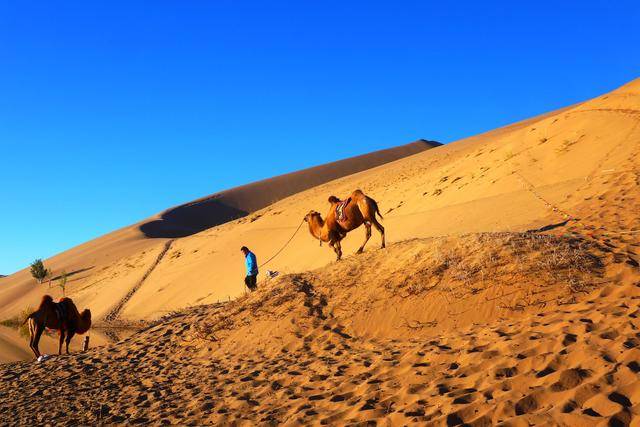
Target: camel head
<point x="311" y="215"/>
<point x="314" y="219"/>
<point x="85" y="321"/>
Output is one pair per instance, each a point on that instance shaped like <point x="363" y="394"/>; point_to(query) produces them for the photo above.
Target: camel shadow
<point x="548" y="227"/>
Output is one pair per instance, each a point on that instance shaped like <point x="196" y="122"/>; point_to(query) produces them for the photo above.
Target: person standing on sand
<point x="252" y="269"/>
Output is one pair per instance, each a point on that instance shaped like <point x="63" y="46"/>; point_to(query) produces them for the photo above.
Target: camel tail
<point x="375" y="205"/>
<point x="46" y="299"/>
<point x="27" y="319"/>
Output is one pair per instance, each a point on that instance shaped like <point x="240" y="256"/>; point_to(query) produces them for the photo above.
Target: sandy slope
<point x="15" y="347"/>
<point x="217" y="209"/>
<point x="483" y="183"/>
<point x="465" y="317"/>
<point x="103" y="271"/>
<point x="345" y="344"/>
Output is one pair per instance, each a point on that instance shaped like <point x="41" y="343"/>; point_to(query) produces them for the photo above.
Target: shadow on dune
<point x="210" y="211"/>
<point x="192" y="218"/>
<point x="72" y="273"/>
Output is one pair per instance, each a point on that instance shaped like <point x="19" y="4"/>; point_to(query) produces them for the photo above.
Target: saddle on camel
<point x="344" y="216"/>
<point x="62" y="316"/>
<point x="341" y="204"/>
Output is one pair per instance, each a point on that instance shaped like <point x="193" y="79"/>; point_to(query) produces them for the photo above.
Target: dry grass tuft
<point x="505" y="262"/>
<point x="18" y="322"/>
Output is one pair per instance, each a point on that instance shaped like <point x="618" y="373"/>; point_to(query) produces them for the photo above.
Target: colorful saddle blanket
<point x="340" y="214"/>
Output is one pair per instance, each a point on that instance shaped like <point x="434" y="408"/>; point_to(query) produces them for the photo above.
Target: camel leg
<point x="32" y="336"/>
<point x="367" y="226"/>
<point x="36" y="339"/>
<point x="31" y="333"/>
<point x="378" y="227"/>
<point x="61" y="341"/>
<point x="337" y="248"/>
<point x="70" y="335"/>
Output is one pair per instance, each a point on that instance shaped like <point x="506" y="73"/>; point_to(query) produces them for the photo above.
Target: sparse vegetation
<point x="38" y="270"/>
<point x="17" y="322"/>
<point x="62" y="282"/>
<point x="509" y="271"/>
<point x="503" y="263"/>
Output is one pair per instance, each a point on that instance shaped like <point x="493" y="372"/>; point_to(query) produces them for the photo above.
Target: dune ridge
<point x="222" y="207"/>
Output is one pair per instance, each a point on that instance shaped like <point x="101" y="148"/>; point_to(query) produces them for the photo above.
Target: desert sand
<point x="508" y="294"/>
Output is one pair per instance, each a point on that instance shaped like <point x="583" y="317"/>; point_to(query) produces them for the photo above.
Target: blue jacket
<point x="251" y="263"/>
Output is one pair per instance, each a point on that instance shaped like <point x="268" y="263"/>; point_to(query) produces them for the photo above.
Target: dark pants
<point x="251" y="282"/>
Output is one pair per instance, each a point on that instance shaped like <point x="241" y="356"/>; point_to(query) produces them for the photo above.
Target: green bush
<point x="38" y="271"/>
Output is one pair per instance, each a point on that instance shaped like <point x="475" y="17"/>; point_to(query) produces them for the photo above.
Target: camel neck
<point x="315" y="226"/>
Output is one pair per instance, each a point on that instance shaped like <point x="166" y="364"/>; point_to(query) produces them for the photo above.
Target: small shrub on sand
<point x="62" y="282"/>
<point x="38" y="270"/>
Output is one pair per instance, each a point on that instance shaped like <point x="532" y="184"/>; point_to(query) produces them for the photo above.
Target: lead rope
<point x="284" y="246"/>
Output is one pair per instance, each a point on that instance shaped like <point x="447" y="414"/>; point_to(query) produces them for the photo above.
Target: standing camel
<point x="62" y="316"/>
<point x="343" y="217"/>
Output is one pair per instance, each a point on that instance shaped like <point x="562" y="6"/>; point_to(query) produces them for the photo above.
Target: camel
<point x="358" y="209"/>
<point x="62" y="316"/>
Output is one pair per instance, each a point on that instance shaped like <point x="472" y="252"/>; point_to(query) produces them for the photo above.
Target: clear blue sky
<point x="112" y="111"/>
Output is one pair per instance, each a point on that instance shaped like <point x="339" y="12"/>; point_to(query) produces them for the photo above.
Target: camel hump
<point x="333" y="199"/>
<point x="46" y="300"/>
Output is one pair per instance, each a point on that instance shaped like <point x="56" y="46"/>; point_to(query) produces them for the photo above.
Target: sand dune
<point x="104" y="270"/>
<point x="352" y="342"/>
<point x="219" y="208"/>
<point x="508" y="294"/>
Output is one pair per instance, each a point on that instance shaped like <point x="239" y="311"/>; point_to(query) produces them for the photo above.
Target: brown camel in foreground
<point x="62" y="316"/>
<point x="343" y="217"/>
